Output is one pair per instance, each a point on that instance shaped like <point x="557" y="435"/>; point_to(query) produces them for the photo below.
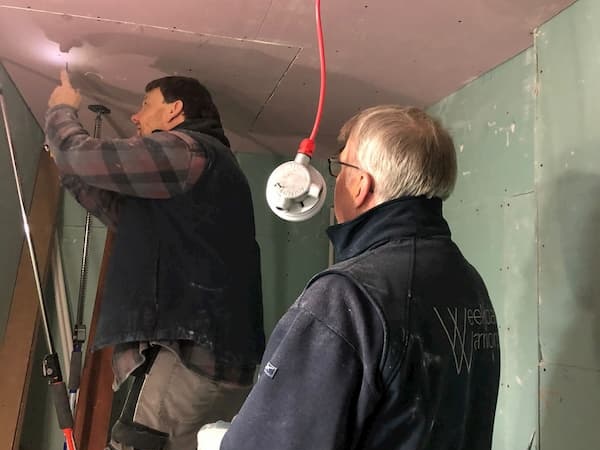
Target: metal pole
<point x="36" y="274"/>
<point x="51" y="365"/>
<point x="99" y="110"/>
<point x="79" y="330"/>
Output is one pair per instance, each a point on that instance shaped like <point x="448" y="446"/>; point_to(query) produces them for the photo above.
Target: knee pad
<point x="138" y="436"/>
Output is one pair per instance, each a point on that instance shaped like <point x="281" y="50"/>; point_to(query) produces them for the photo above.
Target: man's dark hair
<point x="197" y="101"/>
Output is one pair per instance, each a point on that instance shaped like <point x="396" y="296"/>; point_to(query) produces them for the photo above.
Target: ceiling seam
<point x="144" y="25"/>
<point x="272" y="94"/>
<point x="262" y="22"/>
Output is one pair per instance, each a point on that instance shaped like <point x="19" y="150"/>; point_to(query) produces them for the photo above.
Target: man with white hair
<point x="396" y="345"/>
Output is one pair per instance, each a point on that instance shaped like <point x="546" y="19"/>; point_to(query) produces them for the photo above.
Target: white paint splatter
<point x="529" y="58"/>
<point x="460" y="125"/>
<point x="491" y="124"/>
<point x="461" y="148"/>
<point x="468" y="172"/>
<point x="519" y="381"/>
<point x="508" y="131"/>
<point x="95" y="74"/>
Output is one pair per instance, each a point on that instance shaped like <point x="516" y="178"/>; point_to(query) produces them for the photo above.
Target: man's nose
<point x="134" y="118"/>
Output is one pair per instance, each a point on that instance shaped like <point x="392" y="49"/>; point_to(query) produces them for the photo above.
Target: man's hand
<point x="65" y="94"/>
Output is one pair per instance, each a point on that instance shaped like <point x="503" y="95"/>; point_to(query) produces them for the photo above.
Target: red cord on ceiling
<point x="307" y="146"/>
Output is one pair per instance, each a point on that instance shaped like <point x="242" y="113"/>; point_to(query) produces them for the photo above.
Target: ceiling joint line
<point x="272" y="94"/>
<point x="262" y="22"/>
<point x="143" y="25"/>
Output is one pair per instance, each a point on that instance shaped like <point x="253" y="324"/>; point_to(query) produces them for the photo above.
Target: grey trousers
<point x="167" y="406"/>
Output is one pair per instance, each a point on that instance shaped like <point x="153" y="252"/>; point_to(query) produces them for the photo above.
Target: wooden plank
<point x="17" y="347"/>
<point x="92" y="418"/>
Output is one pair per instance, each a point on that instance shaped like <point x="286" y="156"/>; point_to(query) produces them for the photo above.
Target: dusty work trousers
<point x="167" y="406"/>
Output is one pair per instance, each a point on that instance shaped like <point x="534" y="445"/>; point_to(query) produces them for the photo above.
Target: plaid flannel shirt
<point x="98" y="172"/>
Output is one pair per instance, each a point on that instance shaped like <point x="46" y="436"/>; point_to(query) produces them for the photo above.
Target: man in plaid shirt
<point x="182" y="301"/>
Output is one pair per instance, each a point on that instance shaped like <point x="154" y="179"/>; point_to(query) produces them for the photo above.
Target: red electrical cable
<point x="323" y="73"/>
<point x="69" y="440"/>
<point x="307" y="146"/>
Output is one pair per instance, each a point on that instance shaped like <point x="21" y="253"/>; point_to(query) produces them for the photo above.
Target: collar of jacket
<point x="396" y="219"/>
<point x="211" y="127"/>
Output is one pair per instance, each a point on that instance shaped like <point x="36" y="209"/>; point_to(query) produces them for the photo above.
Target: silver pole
<point x="30" y="246"/>
<point x="51" y="364"/>
<point x="80" y="330"/>
<point x="79" y="333"/>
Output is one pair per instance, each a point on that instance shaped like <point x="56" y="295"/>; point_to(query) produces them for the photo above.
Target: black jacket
<point x="188" y="267"/>
<point x="395" y="347"/>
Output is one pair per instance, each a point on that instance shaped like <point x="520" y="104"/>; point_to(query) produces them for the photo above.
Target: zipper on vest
<point x="411" y="267"/>
<point x="156" y="278"/>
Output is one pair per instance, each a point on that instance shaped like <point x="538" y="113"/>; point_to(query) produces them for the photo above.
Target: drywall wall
<point x="567" y="175"/>
<point x="492" y="216"/>
<point x="525" y="212"/>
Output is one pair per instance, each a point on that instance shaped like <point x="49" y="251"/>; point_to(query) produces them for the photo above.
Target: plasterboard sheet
<point x="492" y="123"/>
<point x="569" y="399"/>
<point x="567" y="172"/>
<point x="423" y="50"/>
<point x="235" y="18"/>
<point x="241" y="74"/>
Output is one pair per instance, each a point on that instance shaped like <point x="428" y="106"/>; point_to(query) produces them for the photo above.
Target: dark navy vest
<point x="439" y="368"/>
<point x="188" y="267"/>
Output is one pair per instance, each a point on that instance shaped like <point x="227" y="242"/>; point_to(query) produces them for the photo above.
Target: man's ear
<point x="363" y="189"/>
<point x="175" y="109"/>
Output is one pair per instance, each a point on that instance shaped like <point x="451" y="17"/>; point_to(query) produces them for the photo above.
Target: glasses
<point x="335" y="166"/>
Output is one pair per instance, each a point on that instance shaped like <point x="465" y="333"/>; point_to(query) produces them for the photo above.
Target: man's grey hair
<point x="407" y="152"/>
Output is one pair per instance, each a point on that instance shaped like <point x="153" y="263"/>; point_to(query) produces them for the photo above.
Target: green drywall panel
<point x="493" y="220"/>
<point x="568" y="185"/>
<point x="27" y="141"/>
<point x="290" y="252"/>
<point x="491" y="121"/>
<point x="569" y="399"/>
<point x="499" y="239"/>
<point x="517" y="315"/>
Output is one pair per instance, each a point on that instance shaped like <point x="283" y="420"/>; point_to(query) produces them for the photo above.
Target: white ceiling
<point x="259" y="57"/>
